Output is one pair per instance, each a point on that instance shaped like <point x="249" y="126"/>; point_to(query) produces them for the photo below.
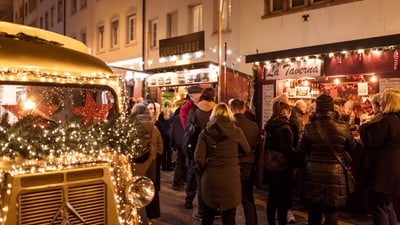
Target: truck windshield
<point x="57" y="103"/>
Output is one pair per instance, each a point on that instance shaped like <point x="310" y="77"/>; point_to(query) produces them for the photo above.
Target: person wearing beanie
<point x="324" y="103"/>
<point x="193" y="96"/>
<point x="324" y="180"/>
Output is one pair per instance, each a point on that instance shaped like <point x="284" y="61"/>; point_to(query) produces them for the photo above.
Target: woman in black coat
<point x="379" y="170"/>
<point x="279" y="137"/>
<point x="217" y="161"/>
<point x="325" y="183"/>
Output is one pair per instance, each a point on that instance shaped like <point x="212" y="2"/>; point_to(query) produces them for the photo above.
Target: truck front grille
<point x="64" y="204"/>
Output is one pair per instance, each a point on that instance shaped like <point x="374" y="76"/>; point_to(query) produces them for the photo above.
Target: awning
<point x="190" y="66"/>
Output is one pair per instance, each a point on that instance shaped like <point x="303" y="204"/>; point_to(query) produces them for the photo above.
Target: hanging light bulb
<point x="373" y="79"/>
<point x="287" y="84"/>
<point x="337" y="81"/>
<point x="29" y="104"/>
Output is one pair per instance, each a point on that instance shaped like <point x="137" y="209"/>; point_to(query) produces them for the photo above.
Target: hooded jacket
<point x="216" y="158"/>
<point x="202" y="113"/>
<point x="156" y="147"/>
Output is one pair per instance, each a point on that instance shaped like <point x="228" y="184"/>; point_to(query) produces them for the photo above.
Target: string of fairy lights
<point x="32" y="145"/>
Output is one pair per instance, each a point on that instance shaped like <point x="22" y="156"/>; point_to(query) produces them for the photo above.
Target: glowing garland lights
<point x="27" y="140"/>
<point x="28" y="148"/>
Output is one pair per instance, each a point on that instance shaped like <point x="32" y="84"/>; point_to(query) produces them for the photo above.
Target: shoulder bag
<point x="274" y="161"/>
<point x="350" y="182"/>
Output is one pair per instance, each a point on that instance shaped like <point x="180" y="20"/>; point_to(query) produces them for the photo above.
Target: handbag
<point x="275" y="161"/>
<point x="350" y="182"/>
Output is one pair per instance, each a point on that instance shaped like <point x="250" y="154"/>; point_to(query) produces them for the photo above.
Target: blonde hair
<point x="281" y="110"/>
<point x="222" y="109"/>
<point x="391" y="97"/>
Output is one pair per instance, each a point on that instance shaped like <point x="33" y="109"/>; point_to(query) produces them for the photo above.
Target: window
<point x="297" y="3"/>
<point x="226" y="15"/>
<point x="83" y="37"/>
<point x="83" y="4"/>
<point x="153" y="33"/>
<point x="60" y="13"/>
<point x="26" y="9"/>
<point x="21" y="12"/>
<point x="32" y="5"/>
<point x="74" y="6"/>
<point x="100" y="38"/>
<point x="196" y="18"/>
<point x="52" y="11"/>
<point x="172" y="24"/>
<point x="46" y="21"/>
<point x="131" y="29"/>
<point x="114" y="33"/>
<point x="277" y="7"/>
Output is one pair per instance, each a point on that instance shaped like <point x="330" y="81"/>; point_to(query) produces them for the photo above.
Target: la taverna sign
<point x="292" y="70"/>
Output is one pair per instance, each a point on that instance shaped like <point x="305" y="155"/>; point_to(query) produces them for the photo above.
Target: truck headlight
<point x="140" y="191"/>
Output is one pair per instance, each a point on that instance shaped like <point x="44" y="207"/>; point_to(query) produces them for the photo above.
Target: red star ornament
<point x="39" y="110"/>
<point x="92" y="111"/>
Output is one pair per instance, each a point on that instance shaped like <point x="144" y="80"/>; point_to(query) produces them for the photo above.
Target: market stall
<point x="354" y="76"/>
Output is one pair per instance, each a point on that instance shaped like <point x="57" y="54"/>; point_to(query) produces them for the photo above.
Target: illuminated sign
<point x="292" y="70"/>
<point x="183" y="44"/>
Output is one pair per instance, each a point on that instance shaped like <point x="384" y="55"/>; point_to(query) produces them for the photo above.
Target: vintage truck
<point x="66" y="148"/>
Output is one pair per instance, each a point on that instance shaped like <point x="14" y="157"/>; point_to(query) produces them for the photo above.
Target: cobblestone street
<point x="173" y="212"/>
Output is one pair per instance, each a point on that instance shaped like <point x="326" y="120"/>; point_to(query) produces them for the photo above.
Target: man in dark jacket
<point x="325" y="182"/>
<point x="176" y="144"/>
<point x="247" y="162"/>
<point x="201" y="115"/>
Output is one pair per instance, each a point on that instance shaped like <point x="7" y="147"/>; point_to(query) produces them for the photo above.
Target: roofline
<point x="374" y="42"/>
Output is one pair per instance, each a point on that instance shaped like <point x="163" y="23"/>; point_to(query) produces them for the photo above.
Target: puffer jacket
<point x="216" y="159"/>
<point x="325" y="183"/>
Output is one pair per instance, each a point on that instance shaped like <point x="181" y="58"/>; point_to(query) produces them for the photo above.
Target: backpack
<point x="190" y="137"/>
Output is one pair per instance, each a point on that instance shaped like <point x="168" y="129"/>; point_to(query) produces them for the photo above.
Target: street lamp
<point x="221" y="5"/>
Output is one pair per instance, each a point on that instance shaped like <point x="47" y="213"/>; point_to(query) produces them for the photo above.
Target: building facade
<point x="128" y="34"/>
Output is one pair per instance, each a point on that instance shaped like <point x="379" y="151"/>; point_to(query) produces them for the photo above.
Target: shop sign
<point x="183" y="78"/>
<point x="292" y="70"/>
<point x="183" y="44"/>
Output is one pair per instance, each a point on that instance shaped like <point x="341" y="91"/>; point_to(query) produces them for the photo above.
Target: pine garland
<point x="33" y="138"/>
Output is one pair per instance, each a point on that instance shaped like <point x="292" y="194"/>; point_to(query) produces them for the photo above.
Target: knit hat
<point x="194" y="89"/>
<point x="324" y="102"/>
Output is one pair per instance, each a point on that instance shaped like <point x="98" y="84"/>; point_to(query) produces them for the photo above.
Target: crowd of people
<point x="217" y="147"/>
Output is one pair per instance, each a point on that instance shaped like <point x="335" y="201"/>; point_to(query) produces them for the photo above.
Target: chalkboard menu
<point x="268" y="93"/>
